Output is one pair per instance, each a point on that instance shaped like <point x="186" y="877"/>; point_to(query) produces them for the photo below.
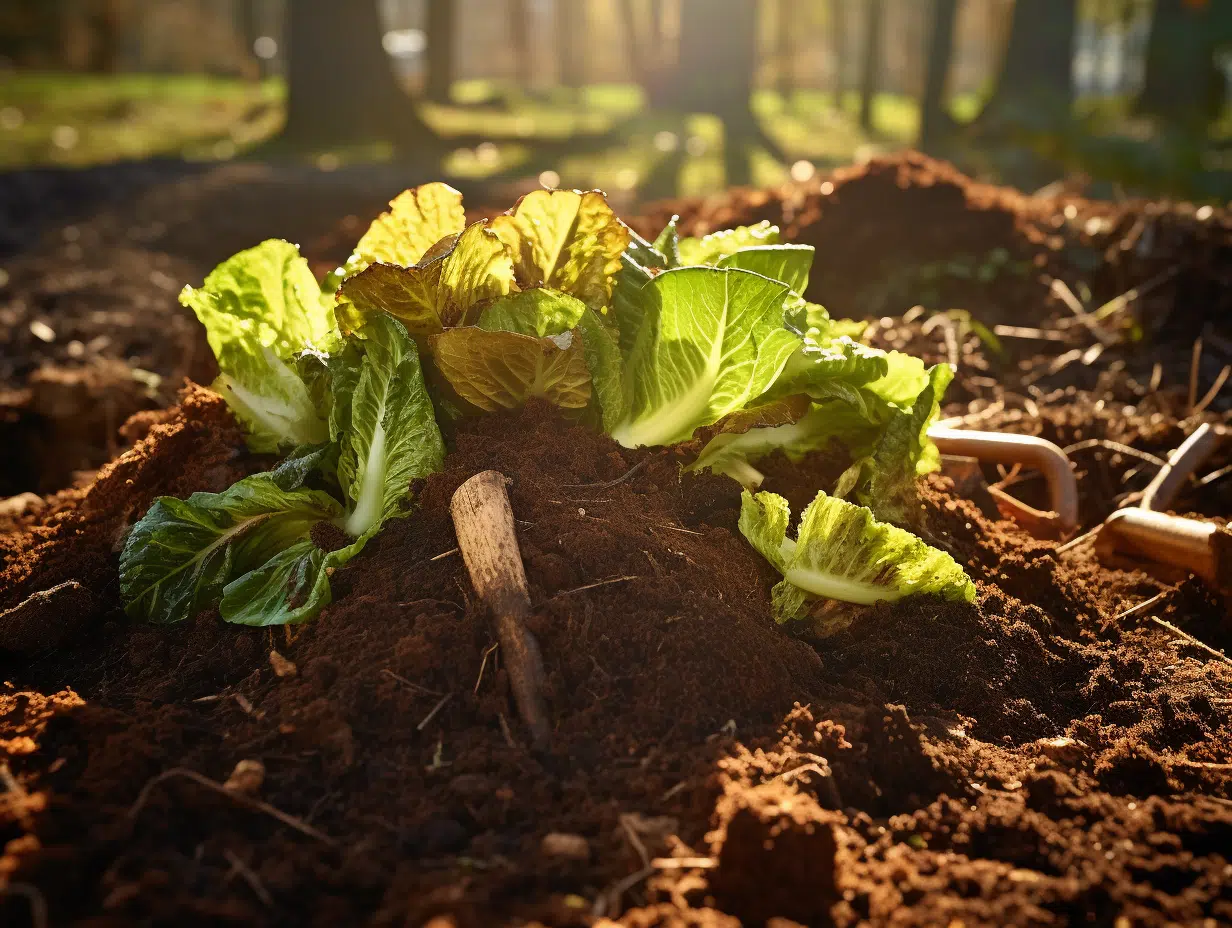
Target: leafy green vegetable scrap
<point x="558" y="300"/>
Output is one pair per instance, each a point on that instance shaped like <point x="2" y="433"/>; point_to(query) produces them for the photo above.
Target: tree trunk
<point x="519" y="41"/>
<point x="870" y="61"/>
<point x="717" y="57"/>
<point x="107" y="21"/>
<point x="934" y="117"/>
<point x="1035" y="88"/>
<point x="838" y="49"/>
<point x="571" y="32"/>
<point x="440" y="50"/>
<point x="785" y="53"/>
<point x="1184" y="88"/>
<point x="341" y="89"/>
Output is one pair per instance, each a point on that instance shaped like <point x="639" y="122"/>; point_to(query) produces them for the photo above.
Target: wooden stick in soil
<point x="483" y="521"/>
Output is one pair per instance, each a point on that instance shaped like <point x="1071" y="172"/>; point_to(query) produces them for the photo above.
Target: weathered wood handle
<point x="483" y="521"/>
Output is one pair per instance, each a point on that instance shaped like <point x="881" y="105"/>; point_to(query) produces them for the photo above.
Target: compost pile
<point x="1029" y="758"/>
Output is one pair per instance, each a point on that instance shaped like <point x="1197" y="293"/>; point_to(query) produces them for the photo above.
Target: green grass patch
<point x="79" y="119"/>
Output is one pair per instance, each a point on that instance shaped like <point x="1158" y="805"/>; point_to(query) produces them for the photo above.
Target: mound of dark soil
<point x="1033" y="758"/>
<point x="997" y="763"/>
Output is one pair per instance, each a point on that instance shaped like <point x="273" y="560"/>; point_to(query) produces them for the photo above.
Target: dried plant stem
<point x="247" y="802"/>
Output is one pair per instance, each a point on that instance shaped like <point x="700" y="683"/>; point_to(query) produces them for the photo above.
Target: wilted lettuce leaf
<point x="179" y="557"/>
<point x="390" y="437"/>
<point x="417" y="220"/>
<point x="436" y="294"/>
<point x="787" y="263"/>
<point x="710" y="248"/>
<point x="502" y="370"/>
<point x="842" y="552"/>
<point x="260" y="308"/>
<point x="565" y="240"/>
<point x="408" y="294"/>
<point x="479" y="268"/>
<point x="711" y="341"/>
<point x="539" y="312"/>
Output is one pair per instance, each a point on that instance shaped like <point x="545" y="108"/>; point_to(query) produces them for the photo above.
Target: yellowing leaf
<point x="565" y="240"/>
<point x="406" y="293"/>
<point x="431" y="296"/>
<point x="502" y="370"/>
<point x="479" y="268"/>
<point x="417" y="219"/>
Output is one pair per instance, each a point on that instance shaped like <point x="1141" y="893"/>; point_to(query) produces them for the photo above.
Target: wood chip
<point x="282" y="666"/>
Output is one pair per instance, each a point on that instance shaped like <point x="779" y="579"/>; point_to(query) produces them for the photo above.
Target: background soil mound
<point x="78" y="538"/>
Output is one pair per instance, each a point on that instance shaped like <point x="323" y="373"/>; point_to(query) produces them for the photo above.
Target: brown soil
<point x="1024" y="760"/>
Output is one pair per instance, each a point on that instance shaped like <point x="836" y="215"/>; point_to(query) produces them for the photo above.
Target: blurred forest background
<point x="644" y="98"/>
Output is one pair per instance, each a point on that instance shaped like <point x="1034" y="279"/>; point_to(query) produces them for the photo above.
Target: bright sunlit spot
<point x="802" y="171"/>
<point x="404" y="43"/>
<point x="265" y="47"/>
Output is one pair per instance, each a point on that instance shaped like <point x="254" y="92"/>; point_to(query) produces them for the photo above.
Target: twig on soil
<point x="1118" y="448"/>
<point x="1195" y="365"/>
<point x="609" y="899"/>
<point x="249" y="877"/>
<point x="43" y="598"/>
<point x="684" y="863"/>
<point x="444" y="555"/>
<point x="1202" y="646"/>
<point x="591" y="586"/>
<point x="1020" y="331"/>
<point x="435" y="709"/>
<point x="406" y="682"/>
<point x="678" y="788"/>
<point x="972" y="418"/>
<point x="611" y="483"/>
<point x="504" y="724"/>
<point x="1058" y="364"/>
<point x="34" y="896"/>
<point x="1215" y="475"/>
<point x="1075" y="542"/>
<point x="483" y="665"/>
<point x="1141" y="607"/>
<point x="1214" y="390"/>
<point x="1157" y="377"/>
<point x="635" y="840"/>
<point x="1203" y="765"/>
<point x="247" y="802"/>
<point x="1061" y="290"/>
<point x="677" y="528"/>
<point x="1118" y="303"/>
